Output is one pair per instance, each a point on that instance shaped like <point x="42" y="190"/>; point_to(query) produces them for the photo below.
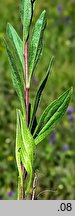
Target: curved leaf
<point x="56" y="115"/>
<point x="39" y="92"/>
<point x="27" y="150"/>
<point x="16" y="78"/>
<point x="49" y="112"/>
<point x="16" y="40"/>
<point x="36" y="45"/>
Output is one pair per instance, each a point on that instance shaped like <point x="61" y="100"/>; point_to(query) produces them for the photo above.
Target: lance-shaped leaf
<point x="49" y="112"/>
<point x="38" y="94"/>
<point x="27" y="150"/>
<point x="18" y="147"/>
<point x="16" y="78"/>
<point x="35" y="47"/>
<point x="57" y="111"/>
<point x="16" y="45"/>
<point x="26" y="16"/>
<point x="17" y="42"/>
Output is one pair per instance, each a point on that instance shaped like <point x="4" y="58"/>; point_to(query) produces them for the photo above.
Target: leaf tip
<point x="44" y="14"/>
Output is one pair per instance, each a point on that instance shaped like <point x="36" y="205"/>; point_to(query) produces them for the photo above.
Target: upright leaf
<point x="16" y="78"/>
<point x="38" y="94"/>
<point x="35" y="47"/>
<point x="26" y="16"/>
<point x="18" y="147"/>
<point x="16" y="40"/>
<point x="58" y="109"/>
<point x="49" y="112"/>
<point x="27" y="150"/>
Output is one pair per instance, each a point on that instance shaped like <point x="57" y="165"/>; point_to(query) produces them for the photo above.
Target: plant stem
<point x="21" y="194"/>
<point x="27" y="85"/>
<point x="34" y="187"/>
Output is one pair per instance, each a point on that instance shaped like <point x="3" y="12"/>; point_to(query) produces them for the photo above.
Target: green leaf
<point x="56" y="111"/>
<point x="18" y="147"/>
<point x="27" y="150"/>
<point x="16" y="78"/>
<point x="26" y="16"/>
<point x="36" y="44"/>
<point x="16" y="40"/>
<point x="49" y="112"/>
<point x="17" y="49"/>
<point x="39" y="92"/>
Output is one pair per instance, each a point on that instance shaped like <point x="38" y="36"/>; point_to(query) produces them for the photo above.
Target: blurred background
<point x="55" y="157"/>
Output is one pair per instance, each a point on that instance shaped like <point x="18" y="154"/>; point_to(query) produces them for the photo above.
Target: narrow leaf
<point x="39" y="92"/>
<point x="35" y="48"/>
<point x="49" y="112"/>
<point x="16" y="40"/>
<point x="55" y="117"/>
<point x="27" y="150"/>
<point x="26" y="16"/>
<point x="16" y="78"/>
<point x="18" y="147"/>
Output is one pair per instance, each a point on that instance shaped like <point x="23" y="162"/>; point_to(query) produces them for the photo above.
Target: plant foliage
<point x="28" y="137"/>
